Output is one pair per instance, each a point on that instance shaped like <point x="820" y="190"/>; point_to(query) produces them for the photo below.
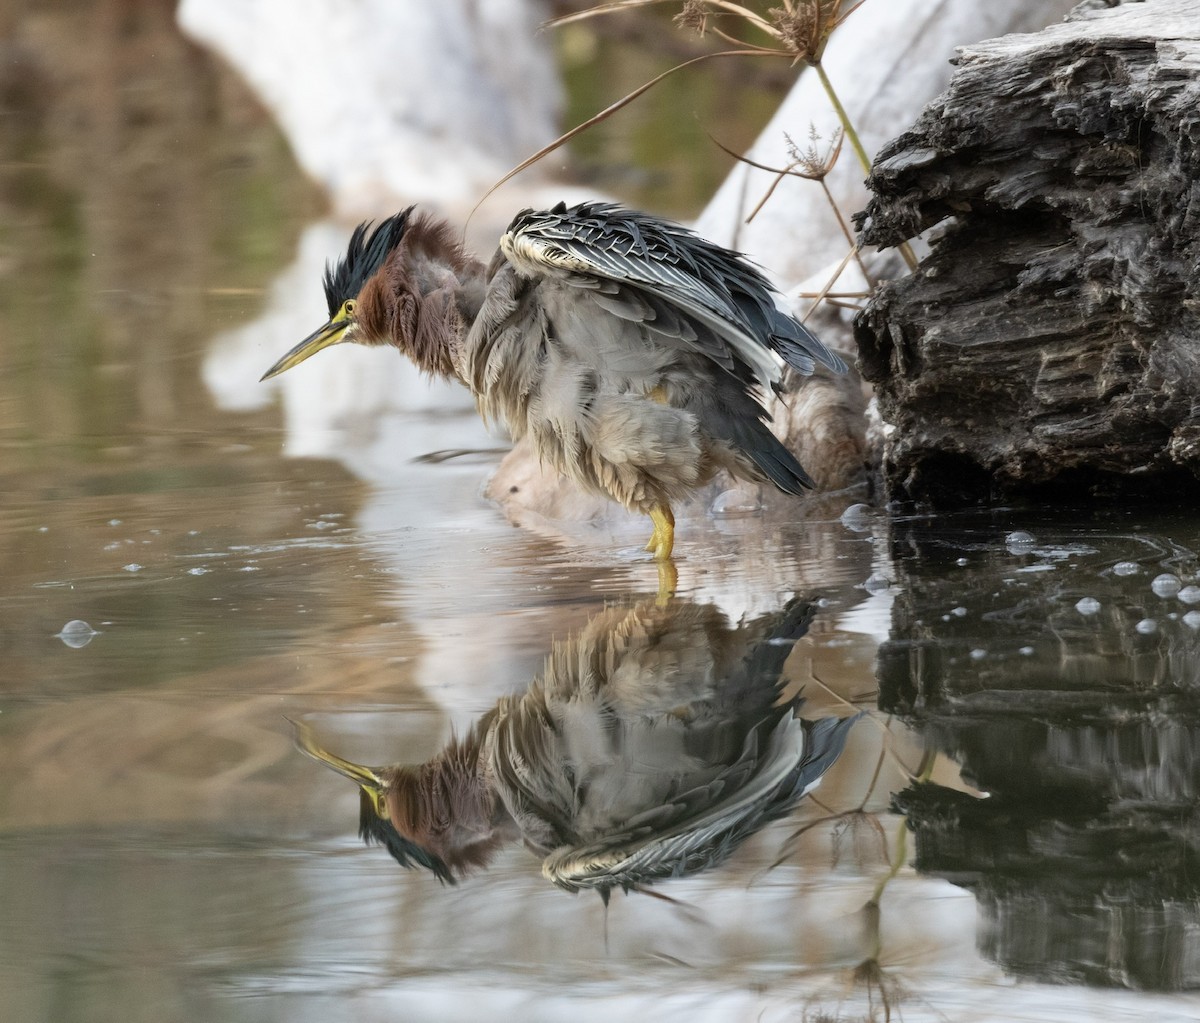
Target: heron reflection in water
<point x="653" y="744"/>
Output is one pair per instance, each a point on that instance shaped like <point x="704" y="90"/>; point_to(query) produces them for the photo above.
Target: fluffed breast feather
<point x="634" y="355"/>
<point x="719" y="289"/>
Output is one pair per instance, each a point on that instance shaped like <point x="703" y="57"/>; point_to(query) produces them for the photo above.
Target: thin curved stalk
<point x="748" y="15"/>
<point x="721" y="34"/>
<point x="600" y="9"/>
<point x="606" y="113"/>
<point x="847" y="127"/>
<point x="906" y="252"/>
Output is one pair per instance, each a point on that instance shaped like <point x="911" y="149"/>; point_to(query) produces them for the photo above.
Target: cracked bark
<point x="1050" y="342"/>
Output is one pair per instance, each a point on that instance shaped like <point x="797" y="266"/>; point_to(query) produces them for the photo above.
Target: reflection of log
<point x="1067" y="687"/>
<point x="1100" y="897"/>
<point x="1052" y="338"/>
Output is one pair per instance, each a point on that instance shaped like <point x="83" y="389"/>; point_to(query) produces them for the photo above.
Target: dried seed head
<point x="804" y="27"/>
<point x="809" y="161"/>
<point x="694" y="16"/>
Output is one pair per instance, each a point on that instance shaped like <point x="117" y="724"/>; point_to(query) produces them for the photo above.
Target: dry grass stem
<point x="604" y="114"/>
<point x="812" y="165"/>
<point x="613" y="7"/>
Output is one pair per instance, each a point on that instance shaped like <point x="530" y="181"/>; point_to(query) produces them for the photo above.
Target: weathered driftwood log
<point x="1051" y="340"/>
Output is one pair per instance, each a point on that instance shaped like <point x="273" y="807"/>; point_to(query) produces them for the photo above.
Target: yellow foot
<point x="662" y="540"/>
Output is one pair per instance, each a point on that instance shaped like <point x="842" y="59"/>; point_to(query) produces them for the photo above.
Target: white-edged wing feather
<point x="715" y="286"/>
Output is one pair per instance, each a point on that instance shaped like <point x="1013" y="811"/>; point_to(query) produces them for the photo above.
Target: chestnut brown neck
<point x="446" y="806"/>
<point x="421" y="299"/>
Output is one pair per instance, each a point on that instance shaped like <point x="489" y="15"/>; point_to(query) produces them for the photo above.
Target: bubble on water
<point x="1126" y="568"/>
<point x="730" y="503"/>
<point x="114" y="522"/>
<point x="249" y="568"/>
<point x="978" y="655"/>
<point x="1147" y="626"/>
<point x="1026" y="651"/>
<point x="1087" y="606"/>
<point x="43" y="529"/>
<point x="1190" y="594"/>
<point x="1165" y="585"/>
<point x="962" y="562"/>
<point x="77" y="633"/>
<point x="877" y="583"/>
<point x="959" y="612"/>
<point x="198" y="571"/>
<point x="1192" y="619"/>
<point x="857" y="518"/>
<point x="1019" y="542"/>
<point x="133" y="566"/>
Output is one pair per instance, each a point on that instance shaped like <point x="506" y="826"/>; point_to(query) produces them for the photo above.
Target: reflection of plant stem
<point x="923" y="772"/>
<point x="897" y="861"/>
<point x="925" y="768"/>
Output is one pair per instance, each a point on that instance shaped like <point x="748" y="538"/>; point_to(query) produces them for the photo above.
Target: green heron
<point x="634" y="354"/>
<point x="652" y="745"/>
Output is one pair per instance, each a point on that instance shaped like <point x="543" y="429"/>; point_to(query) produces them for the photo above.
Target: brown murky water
<point x="166" y="853"/>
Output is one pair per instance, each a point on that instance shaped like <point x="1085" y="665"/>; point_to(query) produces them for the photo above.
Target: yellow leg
<point x="662" y="540"/>
<point x="668" y="582"/>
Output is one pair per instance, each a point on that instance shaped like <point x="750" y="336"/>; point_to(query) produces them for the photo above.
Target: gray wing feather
<point x="716" y="286"/>
<point x="775" y="771"/>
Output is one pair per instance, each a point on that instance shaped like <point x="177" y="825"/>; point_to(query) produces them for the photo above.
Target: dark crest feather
<point x="364" y="256"/>
<point x="373" y="828"/>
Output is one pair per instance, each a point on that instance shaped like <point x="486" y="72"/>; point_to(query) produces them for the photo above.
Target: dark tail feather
<point x="745" y="430"/>
<point x="781" y="467"/>
<point x="826" y="740"/>
<point x="768" y="657"/>
<point x="778" y="464"/>
<point x="799" y="346"/>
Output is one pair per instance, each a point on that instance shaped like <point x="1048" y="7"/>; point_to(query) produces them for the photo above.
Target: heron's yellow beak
<point x="331" y="334"/>
<point x="367" y="780"/>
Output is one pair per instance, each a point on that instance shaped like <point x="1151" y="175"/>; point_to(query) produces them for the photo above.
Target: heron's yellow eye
<point x="348" y="308"/>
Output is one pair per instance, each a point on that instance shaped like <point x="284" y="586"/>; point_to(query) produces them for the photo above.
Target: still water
<point x="1010" y="832"/>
